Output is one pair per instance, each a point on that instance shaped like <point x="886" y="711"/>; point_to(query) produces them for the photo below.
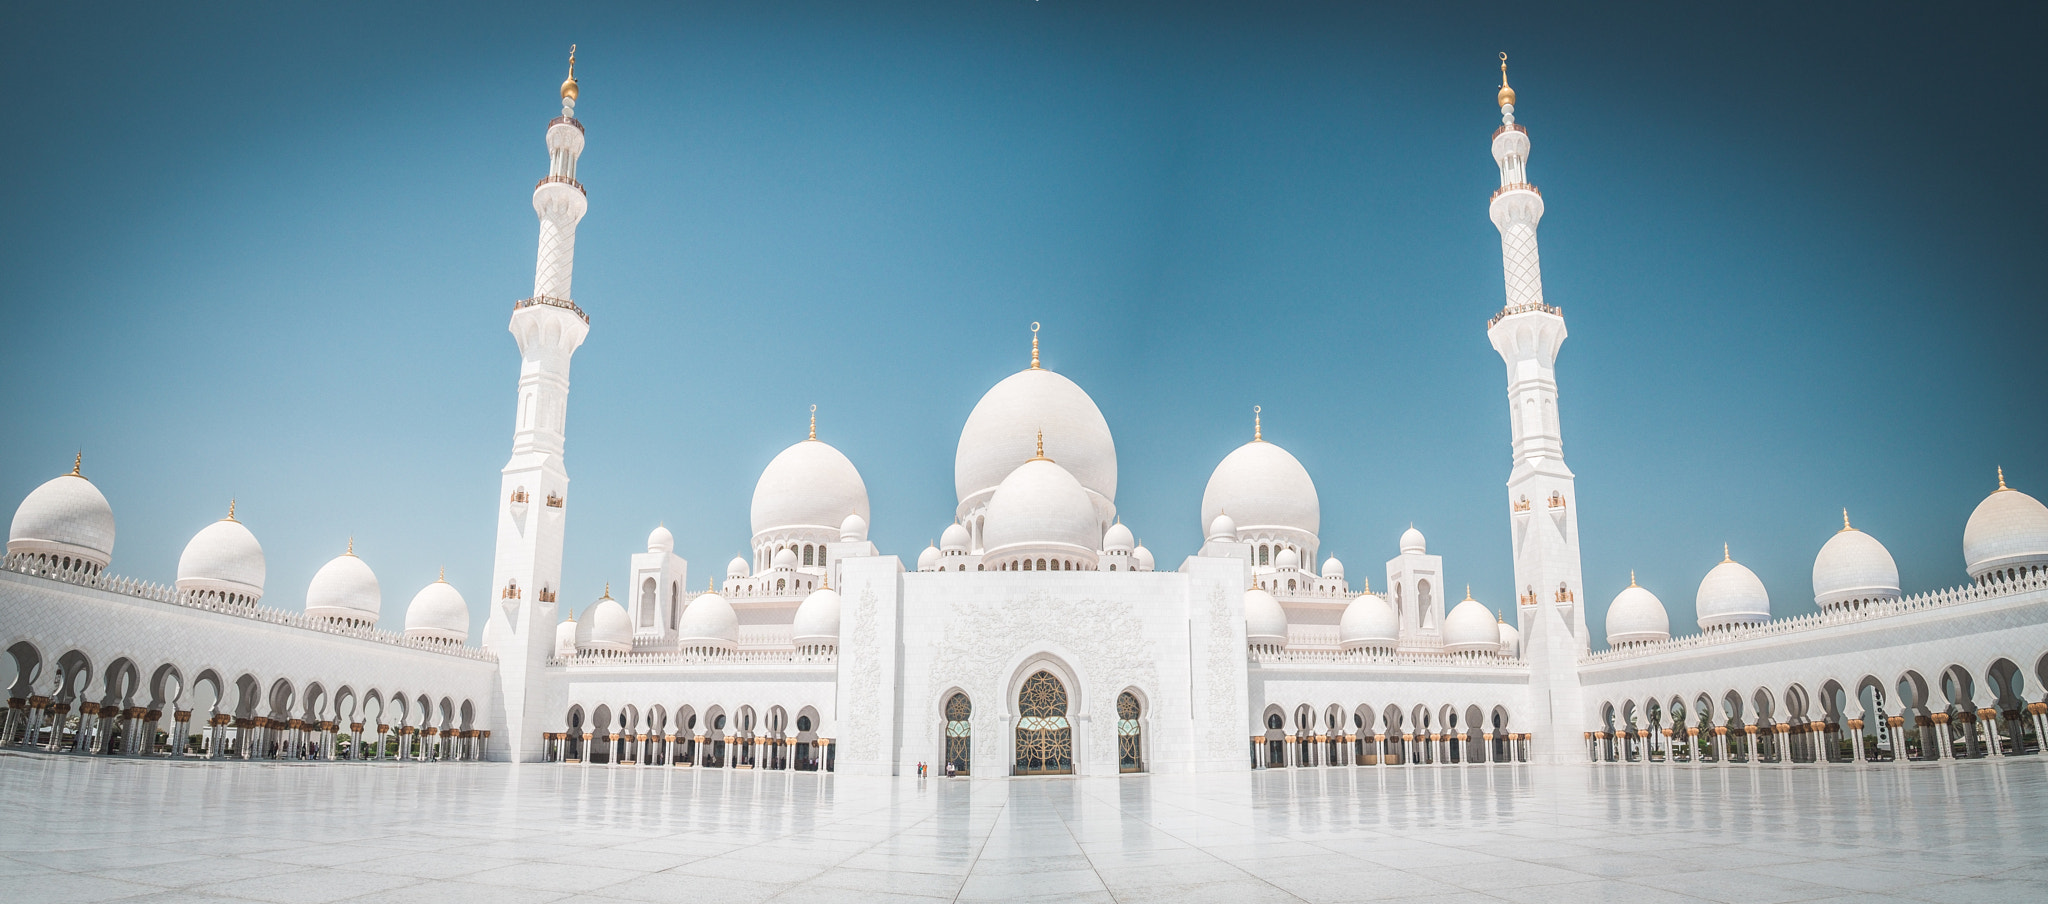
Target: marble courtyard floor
<point x="79" y="830"/>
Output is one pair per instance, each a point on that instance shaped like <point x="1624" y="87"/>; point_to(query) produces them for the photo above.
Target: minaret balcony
<point x="572" y="121"/>
<point x="565" y="180"/>
<point x="1536" y="308"/>
<point x="1510" y="127"/>
<point x="1512" y="186"/>
<point x="552" y="302"/>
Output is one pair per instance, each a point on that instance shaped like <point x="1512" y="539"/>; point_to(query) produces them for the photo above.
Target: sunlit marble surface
<point x="78" y="830"/>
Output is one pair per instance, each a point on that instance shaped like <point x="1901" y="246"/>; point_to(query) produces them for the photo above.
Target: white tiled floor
<point x="75" y="830"/>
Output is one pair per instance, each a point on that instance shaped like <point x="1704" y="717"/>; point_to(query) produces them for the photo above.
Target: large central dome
<point x="1003" y="430"/>
<point x="810" y="485"/>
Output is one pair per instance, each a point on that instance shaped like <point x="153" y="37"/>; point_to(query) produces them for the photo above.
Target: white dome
<point x="1265" y="623"/>
<point x="1041" y="506"/>
<point x="2009" y="529"/>
<point x="1853" y="567"/>
<point x="1412" y="543"/>
<point x="438" y="612"/>
<point x="345" y="589"/>
<point x="929" y="559"/>
<point x="1263" y="488"/>
<point x="565" y="637"/>
<point x="605" y="628"/>
<point x="784" y="559"/>
<point x="1731" y="594"/>
<point x="809" y="485"/>
<point x="817" y="620"/>
<point x="1118" y="538"/>
<point x="64" y="517"/>
<point x="1222" y="528"/>
<point x="1333" y="569"/>
<point x="1369" y="621"/>
<point x="1471" y="628"/>
<point x="709" y="622"/>
<point x="1510" y="640"/>
<point x="660" y="540"/>
<point x="223" y="558"/>
<point x="1287" y="560"/>
<point x="955" y="539"/>
<point x="1006" y="424"/>
<point x="854" y="529"/>
<point x="1142" y="558"/>
<point x="1636" y="616"/>
<point x="737" y="568"/>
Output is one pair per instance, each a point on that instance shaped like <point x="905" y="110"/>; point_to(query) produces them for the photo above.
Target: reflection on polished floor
<point x="81" y="830"/>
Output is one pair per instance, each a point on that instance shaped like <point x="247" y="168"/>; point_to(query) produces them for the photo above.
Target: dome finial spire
<point x="77" y="463"/>
<point x="1631" y="577"/>
<point x="607" y="590"/>
<point x="231" y="509"/>
<point x="1724" y="553"/>
<point x="1845" y="520"/>
<point x="1041" y="448"/>
<point x="1507" y="94"/>
<point x="1468" y="591"/>
<point x="1034" y="345"/>
<point x="443" y="579"/>
<point x="814" y="422"/>
<point x="2001" y="477"/>
<point x="351" y="550"/>
<point x="569" y="84"/>
<point x="1258" y="431"/>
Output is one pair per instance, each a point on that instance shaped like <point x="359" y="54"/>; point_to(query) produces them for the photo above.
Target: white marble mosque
<point x="1036" y="636"/>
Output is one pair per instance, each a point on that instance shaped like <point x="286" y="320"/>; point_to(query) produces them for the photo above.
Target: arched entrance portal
<point x="959" y="734"/>
<point x="1130" y="747"/>
<point x="1045" y="741"/>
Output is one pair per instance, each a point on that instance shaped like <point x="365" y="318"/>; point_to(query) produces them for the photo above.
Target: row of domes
<point x="708" y="624"/>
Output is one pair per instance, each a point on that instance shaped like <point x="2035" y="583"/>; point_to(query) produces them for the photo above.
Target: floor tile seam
<point x="978" y="849"/>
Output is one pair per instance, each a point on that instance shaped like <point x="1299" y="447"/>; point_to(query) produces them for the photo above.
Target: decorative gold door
<point x="1045" y="741"/>
<point x="959" y="735"/>
<point x="1130" y="751"/>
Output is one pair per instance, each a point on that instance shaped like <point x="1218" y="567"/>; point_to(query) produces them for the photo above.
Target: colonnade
<point x="1426" y="748"/>
<point x="757" y="751"/>
<point x="1983" y="733"/>
<point x="39" y="723"/>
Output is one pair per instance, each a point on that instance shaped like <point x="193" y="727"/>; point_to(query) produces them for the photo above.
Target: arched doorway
<point x="1130" y="746"/>
<point x="1045" y="740"/>
<point x="959" y="734"/>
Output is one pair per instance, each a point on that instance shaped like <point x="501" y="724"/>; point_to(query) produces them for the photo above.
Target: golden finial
<point x="570" y="616"/>
<point x="569" y="85"/>
<point x="1507" y="94"/>
<point x="1367" y="581"/>
<point x="1034" y="345"/>
<point x="351" y="550"/>
<point x="2001" y="477"/>
<point x="77" y="463"/>
<point x="1498" y="618"/>
<point x="607" y="591"/>
<point x="1631" y="577"/>
<point x="1724" y="553"/>
<point x="1845" y="520"/>
<point x="1468" y="591"/>
<point x="443" y="579"/>
<point x="707" y="584"/>
<point x="231" y="509"/>
<point x="1258" y="434"/>
<point x="1041" y="448"/>
<point x="814" y="422"/>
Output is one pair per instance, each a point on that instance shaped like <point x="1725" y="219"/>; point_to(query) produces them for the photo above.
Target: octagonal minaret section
<point x="534" y="490"/>
<point x="1542" y="502"/>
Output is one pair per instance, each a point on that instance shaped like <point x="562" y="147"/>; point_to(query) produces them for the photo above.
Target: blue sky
<point x="269" y="253"/>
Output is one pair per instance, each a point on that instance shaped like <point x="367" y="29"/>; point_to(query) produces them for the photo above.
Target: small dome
<point x="1333" y="569"/>
<point x="1265" y="623"/>
<point x="345" y="589"/>
<point x="1041" y="506"/>
<point x="817" y="620"/>
<point x="1141" y="558"/>
<point x="64" y="517"/>
<point x="784" y="560"/>
<point x="929" y="559"/>
<point x="2009" y="529"/>
<point x="1412" y="543"/>
<point x="1264" y="488"/>
<point x="1118" y="538"/>
<point x="1369" y="622"/>
<point x="438" y="612"/>
<point x="1852" y="568"/>
<point x="1004" y="427"/>
<point x="223" y="558"/>
<point x="605" y="628"/>
<point x="1471" y="628"/>
<point x="1636" y="616"/>
<point x="809" y="485"/>
<point x="1731" y="594"/>
<point x="955" y="539"/>
<point x="565" y="637"/>
<point x="737" y="568"/>
<point x="1510" y="640"/>
<point x="709" y="622"/>
<point x="854" y="529"/>
<point x="660" y="540"/>
<point x="1222" y="529"/>
<point x="1287" y="560"/>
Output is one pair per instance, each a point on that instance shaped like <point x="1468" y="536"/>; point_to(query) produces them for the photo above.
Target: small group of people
<point x="923" y="769"/>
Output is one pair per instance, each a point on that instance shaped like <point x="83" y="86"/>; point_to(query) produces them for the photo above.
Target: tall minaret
<point x="1541" y="503"/>
<point x="533" y="497"/>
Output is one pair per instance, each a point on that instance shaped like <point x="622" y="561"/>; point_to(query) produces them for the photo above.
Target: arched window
<point x="807" y="553"/>
<point x="1045" y="742"/>
<point x="1263" y="559"/>
<point x="959" y="734"/>
<point x="781" y="585"/>
<point x="1041" y="564"/>
<point x="1129" y="746"/>
<point x="647" y="603"/>
<point x="674" y="611"/>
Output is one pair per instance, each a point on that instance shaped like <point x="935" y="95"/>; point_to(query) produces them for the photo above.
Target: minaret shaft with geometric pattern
<point x="533" y="496"/>
<point x="1542" y="502"/>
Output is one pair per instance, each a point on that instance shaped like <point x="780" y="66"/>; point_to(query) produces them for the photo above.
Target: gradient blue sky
<point x="269" y="252"/>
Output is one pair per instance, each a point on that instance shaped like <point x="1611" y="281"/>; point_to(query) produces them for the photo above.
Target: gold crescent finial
<point x="231" y="509"/>
<point x="814" y="422"/>
<point x="1845" y="520"/>
<point x="1507" y="94"/>
<point x="1034" y="345"/>
<point x="569" y="84"/>
<point x="1258" y="431"/>
<point x="77" y="463"/>
<point x="1724" y="553"/>
<point x="2001" y="477"/>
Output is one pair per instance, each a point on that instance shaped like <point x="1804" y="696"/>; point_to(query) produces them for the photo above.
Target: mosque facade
<point x="1036" y="636"/>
